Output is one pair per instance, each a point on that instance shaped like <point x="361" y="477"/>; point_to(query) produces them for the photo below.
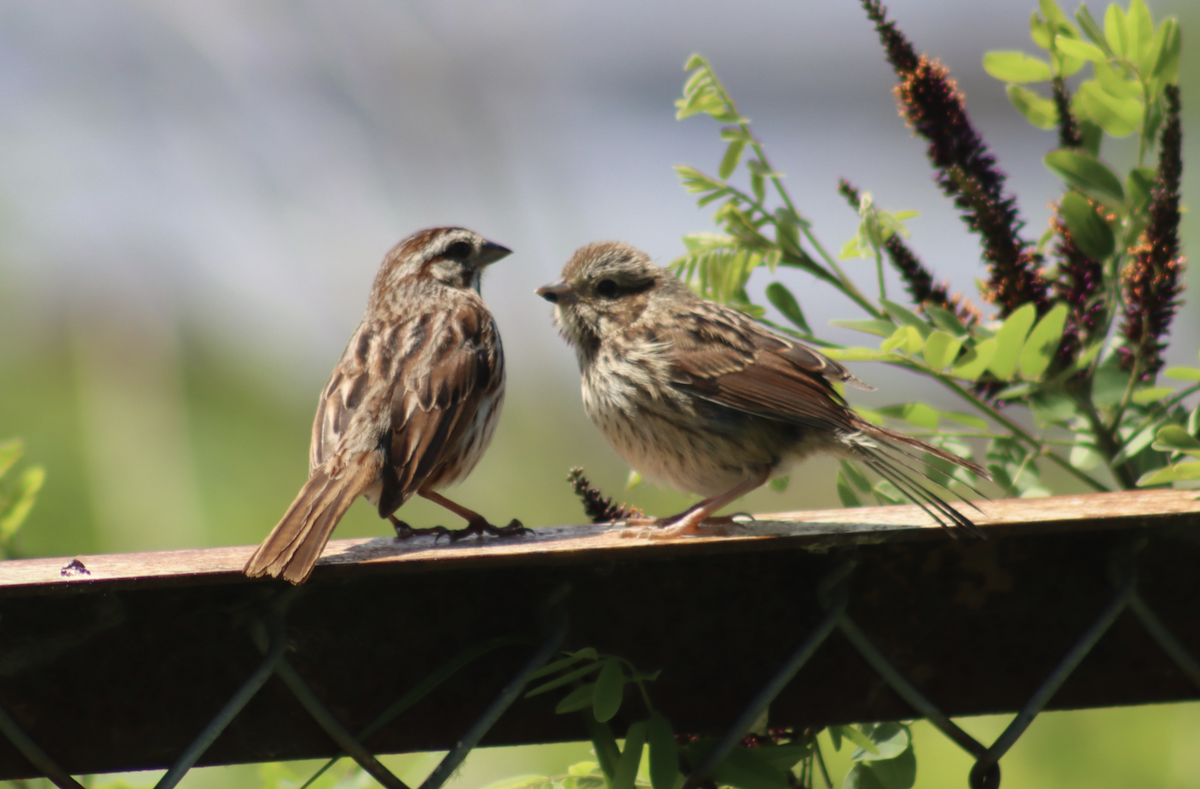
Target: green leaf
<point x="1011" y="66"/>
<point x="1184" y="471"/>
<point x="1114" y="84"/>
<point x="578" y="699"/>
<point x="945" y="319"/>
<point x="965" y="419"/>
<point x="855" y="736"/>
<point x="1010" y="339"/>
<point x="1144" y="396"/>
<point x="1182" y="373"/>
<point x="1040" y="32"/>
<point x="1092" y="30"/>
<point x="855" y="475"/>
<point x="1078" y="49"/>
<point x="1175" y="438"/>
<point x="1088" y="229"/>
<point x="1119" y="117"/>
<point x="1086" y="174"/>
<point x="696" y="181"/>
<point x="1116" y="31"/>
<point x="1052" y="407"/>
<point x="1108" y="385"/>
<point x="1039" y="111"/>
<point x="1091" y="133"/>
<point x="1140" y="28"/>
<point x="778" y="484"/>
<point x="664" y="753"/>
<point x="745" y="768"/>
<point x="917" y="414"/>
<point x="907" y="339"/>
<point x="1043" y="343"/>
<point x="631" y="756"/>
<point x="553" y="668"/>
<point x="729" y="162"/>
<point x="1138" y="185"/>
<point x="976" y="360"/>
<point x="874" y="417"/>
<point x="846" y="493"/>
<point x="880" y="328"/>
<point x="787" y="236"/>
<point x="1134" y="446"/>
<point x="1085" y="458"/>
<point x="853" y="354"/>
<point x="861" y="776"/>
<point x="565" y="679"/>
<point x="23" y="496"/>
<point x="891" y="739"/>
<point x="1168" y="43"/>
<point x="782" y="299"/>
<point x="906" y="317"/>
<point x="941" y="349"/>
<point x="898" y="773"/>
<point x="10" y="451"/>
<point x="610" y="686"/>
<point x="784" y="757"/>
<point x="1052" y="12"/>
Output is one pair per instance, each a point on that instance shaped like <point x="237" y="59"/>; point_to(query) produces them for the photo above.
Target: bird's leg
<point x="476" y="523"/>
<point x="404" y="531"/>
<point x="688" y="521"/>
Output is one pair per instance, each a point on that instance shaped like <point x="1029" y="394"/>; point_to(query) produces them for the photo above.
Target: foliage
<point x="1078" y="351"/>
<point x="1076" y="343"/>
<point x="16" y="496"/>
<point x="654" y="756"/>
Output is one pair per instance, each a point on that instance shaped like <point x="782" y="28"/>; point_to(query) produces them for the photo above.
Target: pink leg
<point x="688" y="521"/>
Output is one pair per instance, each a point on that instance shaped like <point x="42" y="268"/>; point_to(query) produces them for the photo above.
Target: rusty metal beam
<point x="116" y="662"/>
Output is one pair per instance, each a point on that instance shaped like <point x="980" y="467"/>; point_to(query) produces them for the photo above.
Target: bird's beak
<point x="559" y="292"/>
<point x="489" y="253"/>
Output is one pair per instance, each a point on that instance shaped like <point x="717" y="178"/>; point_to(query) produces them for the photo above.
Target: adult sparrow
<point x="704" y="398"/>
<point x="410" y="407"/>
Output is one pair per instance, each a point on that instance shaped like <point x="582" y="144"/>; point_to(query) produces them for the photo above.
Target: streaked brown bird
<point x="704" y="398"/>
<point x="410" y="407"/>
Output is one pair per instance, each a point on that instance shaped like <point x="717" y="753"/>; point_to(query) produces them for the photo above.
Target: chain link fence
<point x="673" y="606"/>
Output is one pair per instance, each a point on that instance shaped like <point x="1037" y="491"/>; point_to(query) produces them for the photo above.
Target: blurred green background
<point x="194" y="198"/>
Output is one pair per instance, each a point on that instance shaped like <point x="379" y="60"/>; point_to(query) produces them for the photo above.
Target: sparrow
<point x="707" y="400"/>
<point x="410" y="407"/>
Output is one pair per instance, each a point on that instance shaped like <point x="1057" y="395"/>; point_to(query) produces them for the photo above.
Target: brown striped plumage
<point x="707" y="400"/>
<point x="410" y="407"/>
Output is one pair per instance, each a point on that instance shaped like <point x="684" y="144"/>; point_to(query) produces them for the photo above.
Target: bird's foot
<point x="404" y="531"/>
<point x="481" y="527"/>
<point x="691" y="522"/>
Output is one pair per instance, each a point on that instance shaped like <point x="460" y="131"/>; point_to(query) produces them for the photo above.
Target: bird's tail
<point x="292" y="548"/>
<point x="899" y="459"/>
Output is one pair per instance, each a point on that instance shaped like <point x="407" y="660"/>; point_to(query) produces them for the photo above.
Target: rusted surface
<point x="116" y="663"/>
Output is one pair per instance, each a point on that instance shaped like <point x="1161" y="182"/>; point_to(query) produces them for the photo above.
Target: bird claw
<point x="481" y="527"/>
<point x="404" y="531"/>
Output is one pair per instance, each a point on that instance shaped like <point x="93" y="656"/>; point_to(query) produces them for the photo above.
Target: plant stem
<point x="1016" y="429"/>
<point x="1106" y="444"/>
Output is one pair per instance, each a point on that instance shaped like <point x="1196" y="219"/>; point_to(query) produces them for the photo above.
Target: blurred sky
<point x="241" y="168"/>
<point x="248" y="164"/>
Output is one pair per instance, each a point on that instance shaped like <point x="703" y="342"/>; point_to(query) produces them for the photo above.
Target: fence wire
<point x="269" y="634"/>
<point x="985" y="774"/>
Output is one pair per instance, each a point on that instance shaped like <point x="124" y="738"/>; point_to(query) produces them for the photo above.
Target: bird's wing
<point x="724" y="357"/>
<point x="438" y="392"/>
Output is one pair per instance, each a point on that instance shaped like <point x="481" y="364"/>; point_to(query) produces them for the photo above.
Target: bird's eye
<point x="607" y="288"/>
<point x="459" y="250"/>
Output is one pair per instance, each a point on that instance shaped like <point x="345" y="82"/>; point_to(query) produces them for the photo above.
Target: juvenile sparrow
<point x="705" y="399"/>
<point x="410" y="407"/>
